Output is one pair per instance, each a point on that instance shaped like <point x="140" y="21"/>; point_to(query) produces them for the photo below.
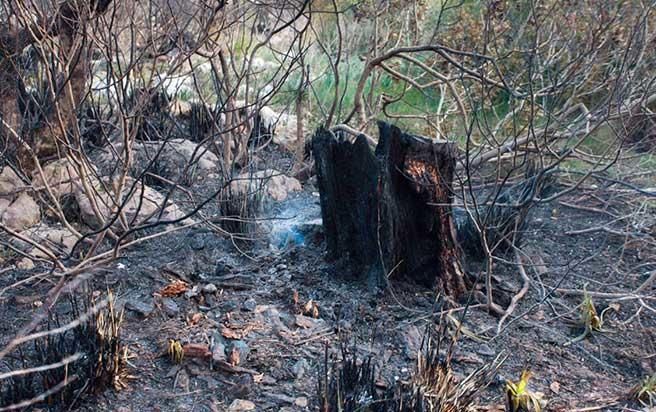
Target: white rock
<point x="4" y="204"/>
<point x="171" y="161"/>
<point x="239" y="405"/>
<point x="9" y="182"/>
<point x="62" y="176"/>
<point x="25" y="264"/>
<point x="283" y="126"/>
<point x="276" y="185"/>
<point x="21" y="213"/>
<point x="301" y="402"/>
<point x="139" y="207"/>
<point x="58" y="240"/>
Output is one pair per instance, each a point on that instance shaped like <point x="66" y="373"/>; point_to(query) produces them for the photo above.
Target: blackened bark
<point x="389" y="212"/>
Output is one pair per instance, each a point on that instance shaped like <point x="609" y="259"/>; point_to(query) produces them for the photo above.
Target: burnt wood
<point x="388" y="213"/>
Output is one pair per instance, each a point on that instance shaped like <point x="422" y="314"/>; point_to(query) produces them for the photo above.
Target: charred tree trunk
<point x="389" y="212"/>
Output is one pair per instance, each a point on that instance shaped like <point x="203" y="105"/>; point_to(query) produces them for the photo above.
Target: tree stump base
<point x="388" y="214"/>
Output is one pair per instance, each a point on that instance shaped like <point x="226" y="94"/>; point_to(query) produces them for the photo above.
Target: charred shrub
<point x="84" y="355"/>
<point x="349" y="385"/>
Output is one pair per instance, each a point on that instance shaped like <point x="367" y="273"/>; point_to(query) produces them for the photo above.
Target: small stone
<point x="301" y="402"/>
<point x="412" y="338"/>
<point x="210" y="288"/>
<point x="268" y="380"/>
<point x="281" y="266"/>
<point x="210" y="301"/>
<point x="218" y="347"/>
<point x="241" y="405"/>
<point x="173" y="371"/>
<point x="192" y="293"/>
<point x="197" y="243"/>
<point x="9" y="181"/>
<point x="142" y="307"/>
<point x="250" y="304"/>
<point x="170" y="307"/>
<point x="221" y="269"/>
<point x="219" y="352"/>
<point x="300" y="368"/>
<point x="25" y="264"/>
<point x="307" y="322"/>
<point x="229" y="306"/>
<point x="485" y="350"/>
<point x="238" y="351"/>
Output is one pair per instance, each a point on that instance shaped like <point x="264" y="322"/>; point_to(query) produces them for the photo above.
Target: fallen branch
<point x="519" y="295"/>
<point x="345" y="128"/>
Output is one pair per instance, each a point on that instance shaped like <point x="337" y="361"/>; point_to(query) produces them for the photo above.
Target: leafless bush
<point x="97" y="98"/>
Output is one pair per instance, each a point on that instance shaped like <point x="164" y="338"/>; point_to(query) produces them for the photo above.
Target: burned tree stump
<point x="389" y="212"/>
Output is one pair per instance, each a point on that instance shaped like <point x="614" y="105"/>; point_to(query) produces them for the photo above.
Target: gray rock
<point x="143" y="204"/>
<point x="300" y="368"/>
<point x="221" y="269"/>
<point x="412" y="339"/>
<point x="219" y="352"/>
<point x="210" y="288"/>
<point x="197" y="243"/>
<point x="141" y="306"/>
<point x="229" y="306"/>
<point x="485" y="350"/>
<point x="250" y="304"/>
<point x="192" y="293"/>
<point x="241" y="347"/>
<point x="170" y="307"/>
<point x="174" y="157"/>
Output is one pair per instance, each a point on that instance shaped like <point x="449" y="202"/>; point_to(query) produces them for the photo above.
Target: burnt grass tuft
<point x="349" y="385"/>
<point x="59" y="368"/>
